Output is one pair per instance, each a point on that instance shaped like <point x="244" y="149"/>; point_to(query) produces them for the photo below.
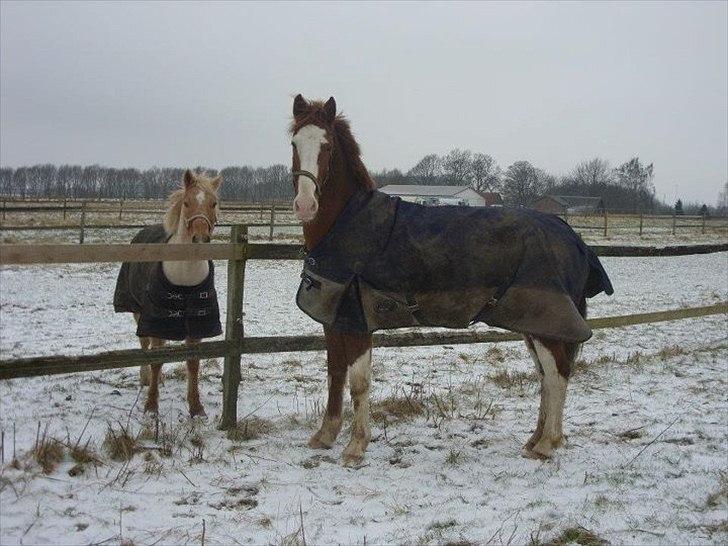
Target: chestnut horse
<point x="327" y="172"/>
<point x="190" y="218"/>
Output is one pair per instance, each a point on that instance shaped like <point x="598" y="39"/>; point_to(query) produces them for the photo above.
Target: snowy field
<point x="646" y="460"/>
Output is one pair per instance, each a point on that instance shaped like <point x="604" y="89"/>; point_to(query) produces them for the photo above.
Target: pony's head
<point x="312" y="140"/>
<point x="193" y="208"/>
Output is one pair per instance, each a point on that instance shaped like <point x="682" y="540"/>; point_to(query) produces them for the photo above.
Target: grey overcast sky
<point x="132" y="84"/>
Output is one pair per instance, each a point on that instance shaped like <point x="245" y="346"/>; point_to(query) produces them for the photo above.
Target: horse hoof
<point x="352" y="460"/>
<point x="316" y="443"/>
<point x="529" y="453"/>
<point x="151" y="409"/>
<point x="198" y="412"/>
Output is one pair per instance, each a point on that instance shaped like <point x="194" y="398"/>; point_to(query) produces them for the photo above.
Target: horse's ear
<point x="215" y="182"/>
<point x="330" y="109"/>
<point x="299" y="105"/>
<point x="189" y="179"/>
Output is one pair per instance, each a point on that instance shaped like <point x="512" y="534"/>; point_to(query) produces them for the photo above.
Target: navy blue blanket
<point x="167" y="311"/>
<point x="388" y="263"/>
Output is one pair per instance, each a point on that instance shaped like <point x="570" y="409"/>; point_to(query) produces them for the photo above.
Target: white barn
<point x="442" y="195"/>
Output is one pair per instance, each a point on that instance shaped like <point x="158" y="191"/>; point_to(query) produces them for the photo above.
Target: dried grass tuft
<point x="397" y="408"/>
<point x="120" y="444"/>
<point x="251" y="428"/>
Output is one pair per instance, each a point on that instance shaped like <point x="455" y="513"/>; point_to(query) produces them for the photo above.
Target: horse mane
<point x="177" y="198"/>
<point x="347" y="143"/>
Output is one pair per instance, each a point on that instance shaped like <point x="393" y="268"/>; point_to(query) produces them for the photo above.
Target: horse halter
<point x="199" y="215"/>
<point x="311" y="177"/>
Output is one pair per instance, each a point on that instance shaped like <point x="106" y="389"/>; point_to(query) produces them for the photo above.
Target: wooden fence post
<point x="65" y="206"/>
<point x="674" y="221"/>
<point x="5" y="204"/>
<point x="82" y="232"/>
<point x="234" y="331"/>
<point x="121" y="208"/>
<point x="272" y="221"/>
<point x="641" y="218"/>
<point x="606" y="222"/>
<point x="703" y="227"/>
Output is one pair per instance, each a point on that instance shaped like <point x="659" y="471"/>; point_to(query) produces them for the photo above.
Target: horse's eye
<point x="186" y="204"/>
<point x="293" y="144"/>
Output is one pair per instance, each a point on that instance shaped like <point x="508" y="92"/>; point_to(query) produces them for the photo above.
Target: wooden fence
<point x="237" y="252"/>
<point x="605" y="223"/>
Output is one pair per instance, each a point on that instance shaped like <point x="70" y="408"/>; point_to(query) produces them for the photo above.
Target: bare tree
<point x="427" y="171"/>
<point x="595" y="172"/>
<point x="485" y="172"/>
<point x="522" y="184"/>
<point x="456" y="168"/>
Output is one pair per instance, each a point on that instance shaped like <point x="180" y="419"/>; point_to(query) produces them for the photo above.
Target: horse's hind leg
<point x="542" y="405"/>
<point x="337" y="365"/>
<point x="554" y="359"/>
<point x="193" y="386"/>
<point x="152" y="404"/>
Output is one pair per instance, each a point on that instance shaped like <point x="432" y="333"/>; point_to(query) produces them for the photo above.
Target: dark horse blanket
<point x="167" y="311"/>
<point x="387" y="263"/>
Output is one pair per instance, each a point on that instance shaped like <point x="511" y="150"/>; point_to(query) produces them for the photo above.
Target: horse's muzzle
<point x="200" y="238"/>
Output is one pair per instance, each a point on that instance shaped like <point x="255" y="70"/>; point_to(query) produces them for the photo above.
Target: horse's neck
<point x="335" y="193"/>
<point x="188" y="273"/>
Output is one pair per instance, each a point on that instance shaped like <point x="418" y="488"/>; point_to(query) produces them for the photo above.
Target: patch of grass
<point x="440" y="525"/>
<point x="84" y="455"/>
<point x="48" y="452"/>
<point x="251" y="428"/>
<point x="397" y="408"/>
<point x="506" y="379"/>
<point x="573" y="535"/>
<point x="495" y="354"/>
<point x="455" y="457"/>
<point x="120" y="443"/>
<point x="669" y="352"/>
<point x="720" y="496"/>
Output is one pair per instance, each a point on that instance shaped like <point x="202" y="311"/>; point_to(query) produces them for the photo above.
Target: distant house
<point x="443" y="195"/>
<point x="569" y="204"/>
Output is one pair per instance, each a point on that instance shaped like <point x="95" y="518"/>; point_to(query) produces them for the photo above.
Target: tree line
<point x="626" y="187"/>
<point x="254" y="184"/>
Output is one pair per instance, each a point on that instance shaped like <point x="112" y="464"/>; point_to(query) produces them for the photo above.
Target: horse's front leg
<point x="193" y="385"/>
<point x="152" y="404"/>
<point x="360" y="378"/>
<point x="337" y="367"/>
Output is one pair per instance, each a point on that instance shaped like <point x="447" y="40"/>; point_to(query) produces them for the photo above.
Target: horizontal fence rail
<point x="52" y="365"/>
<point x="154" y="252"/>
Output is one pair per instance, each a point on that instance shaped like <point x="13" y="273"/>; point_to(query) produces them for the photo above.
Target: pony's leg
<point x="144" y="371"/>
<point x="542" y="405"/>
<point x="337" y="365"/>
<point x="152" y="404"/>
<point x="193" y="386"/>
<point x="360" y="378"/>
<point x="555" y="358"/>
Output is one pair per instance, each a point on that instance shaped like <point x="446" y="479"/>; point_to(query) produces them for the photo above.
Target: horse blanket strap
<point x="167" y="311"/>
<point x="388" y="263"/>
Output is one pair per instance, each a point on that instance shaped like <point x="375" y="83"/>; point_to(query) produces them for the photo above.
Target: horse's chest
<point x="186" y="273"/>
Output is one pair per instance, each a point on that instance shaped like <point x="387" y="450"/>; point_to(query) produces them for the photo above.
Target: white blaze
<point x="308" y="141"/>
<point x="200" y="197"/>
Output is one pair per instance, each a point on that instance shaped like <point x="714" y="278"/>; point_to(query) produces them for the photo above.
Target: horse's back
<point x="133" y="275"/>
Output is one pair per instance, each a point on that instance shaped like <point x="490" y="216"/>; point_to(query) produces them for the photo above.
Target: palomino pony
<point x="375" y="262"/>
<point x="175" y="300"/>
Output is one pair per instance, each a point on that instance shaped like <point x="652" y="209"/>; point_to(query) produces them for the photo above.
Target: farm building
<point x="569" y="204"/>
<point x="443" y="195"/>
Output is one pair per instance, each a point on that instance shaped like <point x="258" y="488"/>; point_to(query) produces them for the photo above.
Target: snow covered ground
<point x="647" y="423"/>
